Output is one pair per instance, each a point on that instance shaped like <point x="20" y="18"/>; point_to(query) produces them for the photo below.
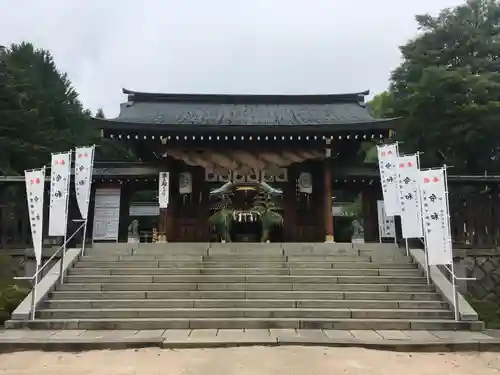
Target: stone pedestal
<point x="133" y="232"/>
<point x="358" y="233"/>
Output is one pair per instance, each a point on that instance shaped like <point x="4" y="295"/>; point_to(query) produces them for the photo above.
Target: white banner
<point x="84" y="162"/>
<point x="386" y="224"/>
<point x="60" y="177"/>
<point x="35" y="188"/>
<point x="409" y="196"/>
<point x="164" y="189"/>
<point x="387" y="159"/>
<point x="436" y="216"/>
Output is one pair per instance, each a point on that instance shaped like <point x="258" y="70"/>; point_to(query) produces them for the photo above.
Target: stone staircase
<point x="226" y="286"/>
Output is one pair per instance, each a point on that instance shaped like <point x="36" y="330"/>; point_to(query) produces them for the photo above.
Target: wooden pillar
<point x="369" y="197"/>
<point x="289" y="219"/>
<point x="125" y="203"/>
<point x="4" y="233"/>
<point x="328" y="198"/>
<point x="90" y="214"/>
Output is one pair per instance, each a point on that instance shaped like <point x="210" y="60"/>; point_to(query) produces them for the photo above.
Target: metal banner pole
<point x="61" y="261"/>
<point x="68" y="183"/>
<point x="424" y="241"/>
<point x="33" y="293"/>
<point x="379" y="219"/>
<point x="456" y="308"/>
<point x="427" y="267"/>
<point x="84" y="237"/>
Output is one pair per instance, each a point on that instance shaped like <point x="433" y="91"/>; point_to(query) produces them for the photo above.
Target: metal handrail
<point x="458" y="278"/>
<point x="63" y="246"/>
<point x="451" y="271"/>
<point x="34" y="278"/>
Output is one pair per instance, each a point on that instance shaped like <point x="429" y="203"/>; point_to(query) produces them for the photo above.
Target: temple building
<point x="241" y="167"/>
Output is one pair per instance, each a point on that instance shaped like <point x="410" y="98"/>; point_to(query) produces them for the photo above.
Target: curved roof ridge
<point x="138" y="96"/>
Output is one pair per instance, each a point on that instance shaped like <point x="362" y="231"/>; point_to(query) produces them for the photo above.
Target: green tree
<point x="382" y="105"/>
<point x="448" y="88"/>
<point x="100" y="113"/>
<point x="40" y="113"/>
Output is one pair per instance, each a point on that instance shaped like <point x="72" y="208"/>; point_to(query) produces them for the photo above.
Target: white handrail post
<point x="33" y="293"/>
<point x="427" y="267"/>
<point x="407" y="247"/>
<point x="450" y="243"/>
<point x="61" y="262"/>
<point x="84" y="237"/>
<point x="456" y="308"/>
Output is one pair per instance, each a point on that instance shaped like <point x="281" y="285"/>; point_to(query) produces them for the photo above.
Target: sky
<point x="217" y="46"/>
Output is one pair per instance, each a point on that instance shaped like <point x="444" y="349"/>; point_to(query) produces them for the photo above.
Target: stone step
<point x="244" y="258"/>
<point x="420" y="287"/>
<point x="245" y="279"/>
<point x="254" y="264"/>
<point x="249" y="249"/>
<point x="242" y="303"/>
<point x="246" y="271"/>
<point x="248" y="323"/>
<point x="293" y="295"/>
<point x="229" y="313"/>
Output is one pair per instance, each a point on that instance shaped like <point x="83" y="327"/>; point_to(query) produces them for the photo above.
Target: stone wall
<point x="21" y="262"/>
<point x="484" y="265"/>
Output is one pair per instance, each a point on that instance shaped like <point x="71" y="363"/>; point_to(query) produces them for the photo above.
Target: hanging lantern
<point x="185" y="183"/>
<point x="305" y="183"/>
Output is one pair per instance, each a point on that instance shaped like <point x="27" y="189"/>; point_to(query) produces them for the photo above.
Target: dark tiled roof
<point x="204" y="109"/>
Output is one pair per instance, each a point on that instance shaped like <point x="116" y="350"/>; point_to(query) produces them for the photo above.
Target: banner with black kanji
<point x="436" y="216"/>
<point x="163" y="189"/>
<point x="84" y="164"/>
<point x="35" y="188"/>
<point x="409" y="196"/>
<point x="387" y="159"/>
<point x="60" y="177"/>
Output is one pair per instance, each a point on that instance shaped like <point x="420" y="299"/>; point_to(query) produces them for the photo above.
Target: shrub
<point x="12" y="293"/>
<point x="489" y="311"/>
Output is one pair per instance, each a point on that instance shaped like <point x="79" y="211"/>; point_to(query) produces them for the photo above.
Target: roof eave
<point x="135" y="127"/>
<point x="139" y="96"/>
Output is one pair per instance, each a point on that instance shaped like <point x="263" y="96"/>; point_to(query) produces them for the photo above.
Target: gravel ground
<point x="249" y="361"/>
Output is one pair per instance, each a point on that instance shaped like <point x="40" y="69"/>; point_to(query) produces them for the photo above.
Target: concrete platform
<point x="393" y="340"/>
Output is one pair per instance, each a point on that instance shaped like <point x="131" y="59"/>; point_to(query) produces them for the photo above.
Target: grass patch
<point x="12" y="292"/>
<point x="489" y="311"/>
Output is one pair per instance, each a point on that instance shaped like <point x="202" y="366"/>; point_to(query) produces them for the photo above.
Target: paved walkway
<point x="69" y="340"/>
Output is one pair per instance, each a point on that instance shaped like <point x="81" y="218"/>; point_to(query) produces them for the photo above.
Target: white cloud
<point x="217" y="46"/>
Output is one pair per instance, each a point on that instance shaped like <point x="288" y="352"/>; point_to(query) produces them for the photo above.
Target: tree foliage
<point x="448" y="88"/>
<point x="382" y="105"/>
<point x="40" y="112"/>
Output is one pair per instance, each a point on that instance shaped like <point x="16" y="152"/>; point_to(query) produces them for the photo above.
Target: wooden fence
<point x="475" y="216"/>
